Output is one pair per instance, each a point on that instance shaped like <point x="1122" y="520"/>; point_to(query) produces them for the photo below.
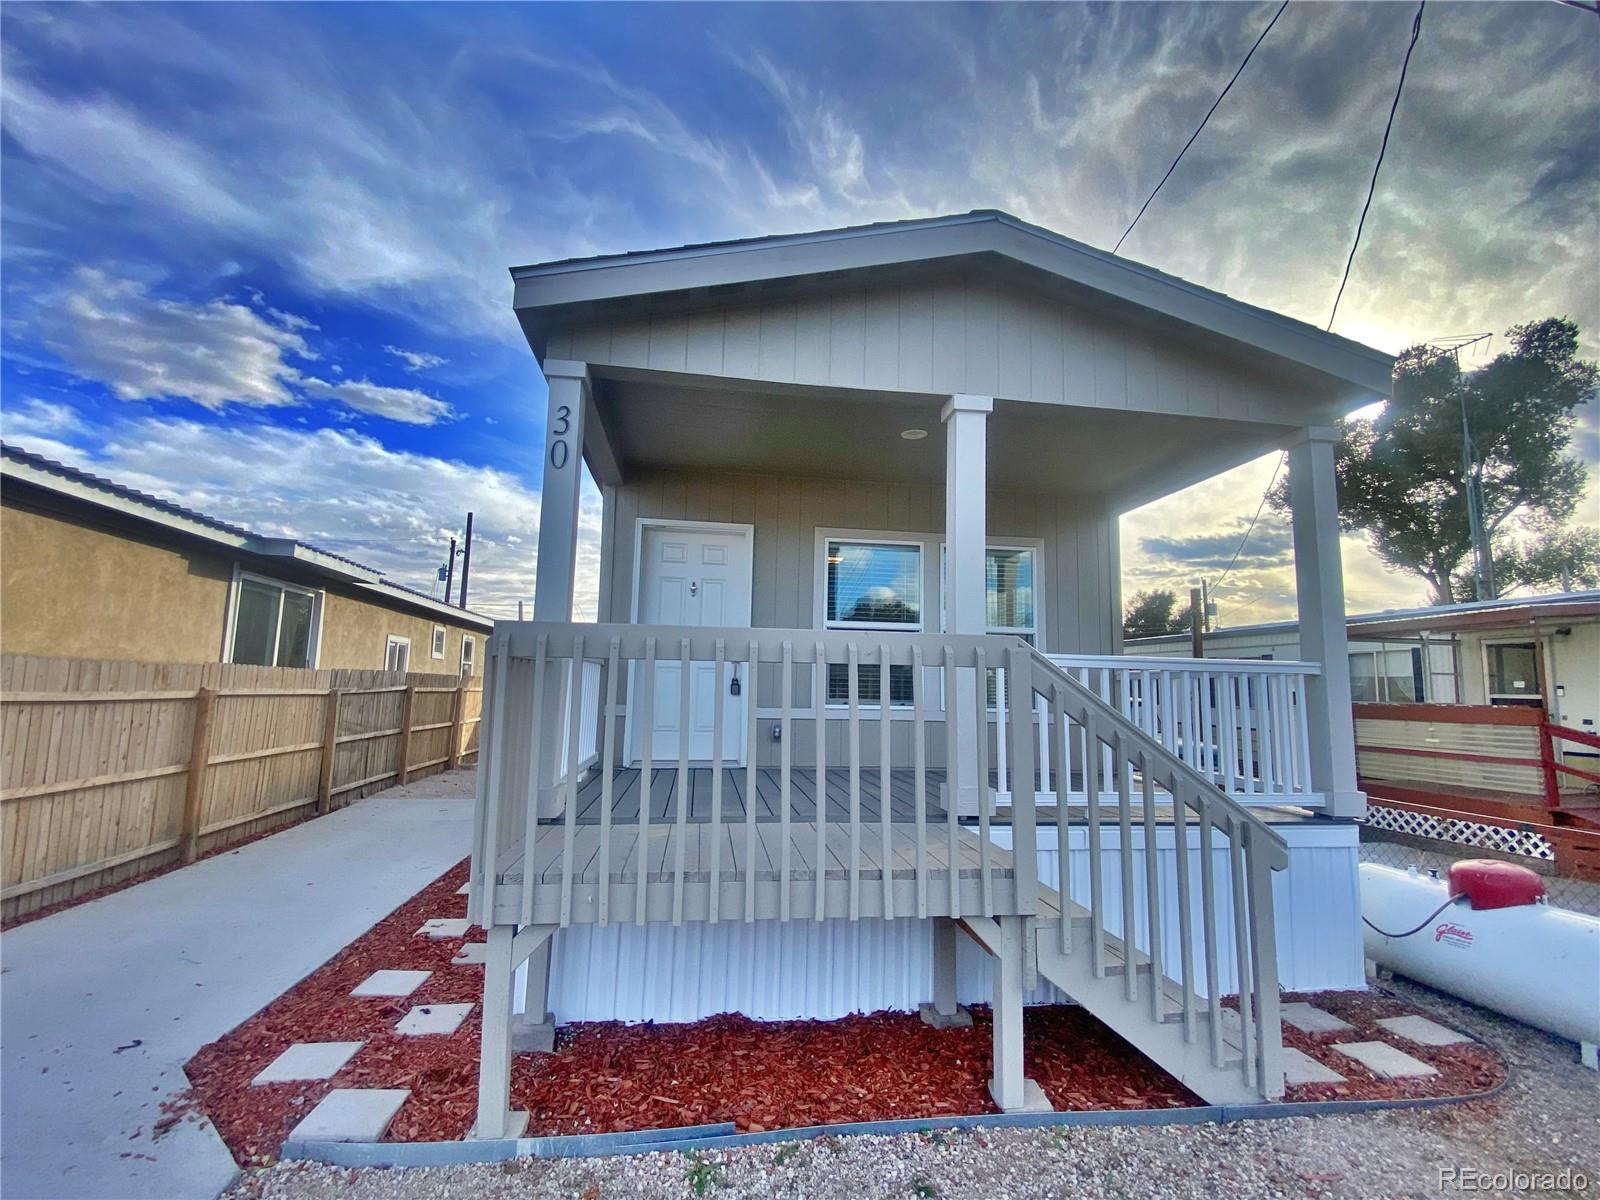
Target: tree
<point x="1153" y="613"/>
<point x="1400" y="472"/>
<point x="1552" y="559"/>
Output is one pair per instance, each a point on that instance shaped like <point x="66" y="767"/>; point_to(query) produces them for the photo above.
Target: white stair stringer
<point x="1165" y="1043"/>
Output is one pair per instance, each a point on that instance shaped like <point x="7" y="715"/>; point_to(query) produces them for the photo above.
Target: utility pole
<point x="1197" y="621"/>
<point x="450" y="571"/>
<point x="1482" y="563"/>
<point x="466" y="561"/>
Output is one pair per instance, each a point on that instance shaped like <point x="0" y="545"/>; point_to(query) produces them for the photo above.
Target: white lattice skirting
<point x="1524" y="842"/>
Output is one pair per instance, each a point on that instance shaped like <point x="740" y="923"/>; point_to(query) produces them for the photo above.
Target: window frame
<point x="870" y="537"/>
<point x="1034" y="546"/>
<point x="390" y="642"/>
<point x="231" y="616"/>
<point x="1490" y="696"/>
<point x="438" y="641"/>
<point x="468" y="662"/>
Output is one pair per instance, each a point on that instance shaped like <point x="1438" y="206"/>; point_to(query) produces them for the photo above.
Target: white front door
<point x="692" y="576"/>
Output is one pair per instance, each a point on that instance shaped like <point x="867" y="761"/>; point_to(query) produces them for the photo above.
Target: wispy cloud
<point x="415" y="360"/>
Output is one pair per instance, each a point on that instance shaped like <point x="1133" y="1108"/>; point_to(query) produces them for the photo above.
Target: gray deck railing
<point x="868" y="860"/>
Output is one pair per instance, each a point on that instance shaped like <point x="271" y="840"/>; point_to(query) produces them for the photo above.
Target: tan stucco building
<point x="91" y="569"/>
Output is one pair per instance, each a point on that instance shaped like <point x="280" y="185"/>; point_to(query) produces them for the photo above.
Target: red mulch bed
<point x="609" y="1076"/>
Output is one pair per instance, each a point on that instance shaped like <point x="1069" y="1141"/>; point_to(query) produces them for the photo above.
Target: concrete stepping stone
<point x="1384" y="1060"/>
<point x="472" y="954"/>
<point x="390" y="983"/>
<point x="307" y="1060"/>
<point x="1308" y="1018"/>
<point x="429" y="1019"/>
<point x="1423" y="1031"/>
<point x="1299" y="1067"/>
<point x="445" y="927"/>
<point x="351" y="1115"/>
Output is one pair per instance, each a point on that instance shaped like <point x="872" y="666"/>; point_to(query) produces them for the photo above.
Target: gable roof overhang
<point x="573" y="290"/>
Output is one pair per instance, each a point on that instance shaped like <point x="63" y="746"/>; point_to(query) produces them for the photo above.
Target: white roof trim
<point x="613" y="277"/>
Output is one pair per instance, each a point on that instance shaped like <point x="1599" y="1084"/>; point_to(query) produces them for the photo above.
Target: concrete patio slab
<point x="390" y="983"/>
<point x="307" y="1060"/>
<point x="464" y="889"/>
<point x="440" y="928"/>
<point x="473" y="954"/>
<point x="427" y="1020"/>
<point x="351" y="1115"/>
<point x="1299" y="1067"/>
<point x="105" y="1002"/>
<point x="1422" y="1031"/>
<point x="1308" y="1018"/>
<point x="1385" y="1061"/>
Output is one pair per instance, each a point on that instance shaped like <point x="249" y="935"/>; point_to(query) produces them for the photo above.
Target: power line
<point x="1250" y="528"/>
<point x="1202" y="124"/>
<point x="1416" y="30"/>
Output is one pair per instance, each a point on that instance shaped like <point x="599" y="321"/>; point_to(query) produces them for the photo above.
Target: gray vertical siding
<point x="1077" y="581"/>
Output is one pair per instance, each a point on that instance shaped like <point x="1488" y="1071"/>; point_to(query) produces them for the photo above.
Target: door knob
<point x="694" y="587"/>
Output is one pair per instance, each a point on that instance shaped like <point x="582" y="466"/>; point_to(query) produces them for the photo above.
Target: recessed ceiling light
<point x="913" y="435"/>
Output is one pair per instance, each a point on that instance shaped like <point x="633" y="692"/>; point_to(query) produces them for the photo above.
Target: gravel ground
<point x="1544" y="1120"/>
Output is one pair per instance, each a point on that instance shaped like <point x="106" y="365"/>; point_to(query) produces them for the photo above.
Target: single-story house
<point x="90" y="568"/>
<point x="847" y="734"/>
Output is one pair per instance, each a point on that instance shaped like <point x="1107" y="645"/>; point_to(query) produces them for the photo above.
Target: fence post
<point x="330" y="746"/>
<point x="199" y="758"/>
<point x="458" y="707"/>
<point x="403" y="754"/>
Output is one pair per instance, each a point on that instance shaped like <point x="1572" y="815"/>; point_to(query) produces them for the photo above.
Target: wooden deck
<point x="767" y="799"/>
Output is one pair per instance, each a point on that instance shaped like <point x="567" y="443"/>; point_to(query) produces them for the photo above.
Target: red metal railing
<point x="1553" y="766"/>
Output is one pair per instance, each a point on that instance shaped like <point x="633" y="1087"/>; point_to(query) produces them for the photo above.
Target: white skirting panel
<point x="774" y="970"/>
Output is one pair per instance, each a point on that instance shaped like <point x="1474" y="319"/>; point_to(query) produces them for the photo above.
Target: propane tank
<point x="1490" y="939"/>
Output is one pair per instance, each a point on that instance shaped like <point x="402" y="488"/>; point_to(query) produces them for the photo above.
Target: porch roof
<point x="568" y="290"/>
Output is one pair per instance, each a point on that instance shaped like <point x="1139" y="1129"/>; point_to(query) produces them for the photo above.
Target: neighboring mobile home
<point x="93" y="569"/>
<point x="859" y="605"/>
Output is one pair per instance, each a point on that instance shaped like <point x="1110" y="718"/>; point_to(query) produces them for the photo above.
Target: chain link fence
<point x="1388" y="846"/>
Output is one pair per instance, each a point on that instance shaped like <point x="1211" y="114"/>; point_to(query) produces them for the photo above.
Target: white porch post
<point x="1319" y="592"/>
<point x="558" y="497"/>
<point x="966" y="481"/>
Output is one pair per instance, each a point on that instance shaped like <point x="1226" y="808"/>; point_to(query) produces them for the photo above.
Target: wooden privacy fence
<point x="112" y="769"/>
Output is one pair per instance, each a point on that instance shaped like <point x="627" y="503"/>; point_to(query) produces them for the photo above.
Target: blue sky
<point x="255" y="256"/>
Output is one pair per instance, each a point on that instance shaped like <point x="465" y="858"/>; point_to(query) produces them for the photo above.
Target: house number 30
<point x="558" y="446"/>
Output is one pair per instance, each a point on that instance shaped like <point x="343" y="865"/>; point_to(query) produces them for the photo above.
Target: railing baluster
<point x="1063" y="751"/>
<point x="1002" y="752"/>
<point x="608" y="780"/>
<point x="1247" y="727"/>
<point x="1093" y="778"/>
<point x="1264" y="960"/>
<point x="1302" y="758"/>
<point x="570" y="788"/>
<point x="985" y="882"/>
<point x="1130" y="920"/>
<point x="785" y="768"/>
<point x="1267" y="733"/>
<point x="1210" y="738"/>
<point x="487" y="866"/>
<point x="1169" y="729"/>
<point x="646" y="774"/>
<point x="1283" y="723"/>
<point x="1241" y="947"/>
<point x="714" y="900"/>
<point x="855" y="783"/>
<point x="681" y="812"/>
<point x="1208" y="924"/>
<point x="885" y="782"/>
<point x="1180" y="840"/>
<point x="538" y="736"/>
<point x="952" y="781"/>
<point x="1227" y="730"/>
<point x="752" y="741"/>
<point x="1041" y="717"/>
<point x="819" y="701"/>
<point x="919" y="779"/>
<point x="1152" y="886"/>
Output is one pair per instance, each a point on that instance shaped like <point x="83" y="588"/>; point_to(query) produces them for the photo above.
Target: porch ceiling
<point x="1122" y="458"/>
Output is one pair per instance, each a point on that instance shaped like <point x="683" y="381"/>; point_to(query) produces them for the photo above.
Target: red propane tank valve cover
<point x="1487" y="883"/>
